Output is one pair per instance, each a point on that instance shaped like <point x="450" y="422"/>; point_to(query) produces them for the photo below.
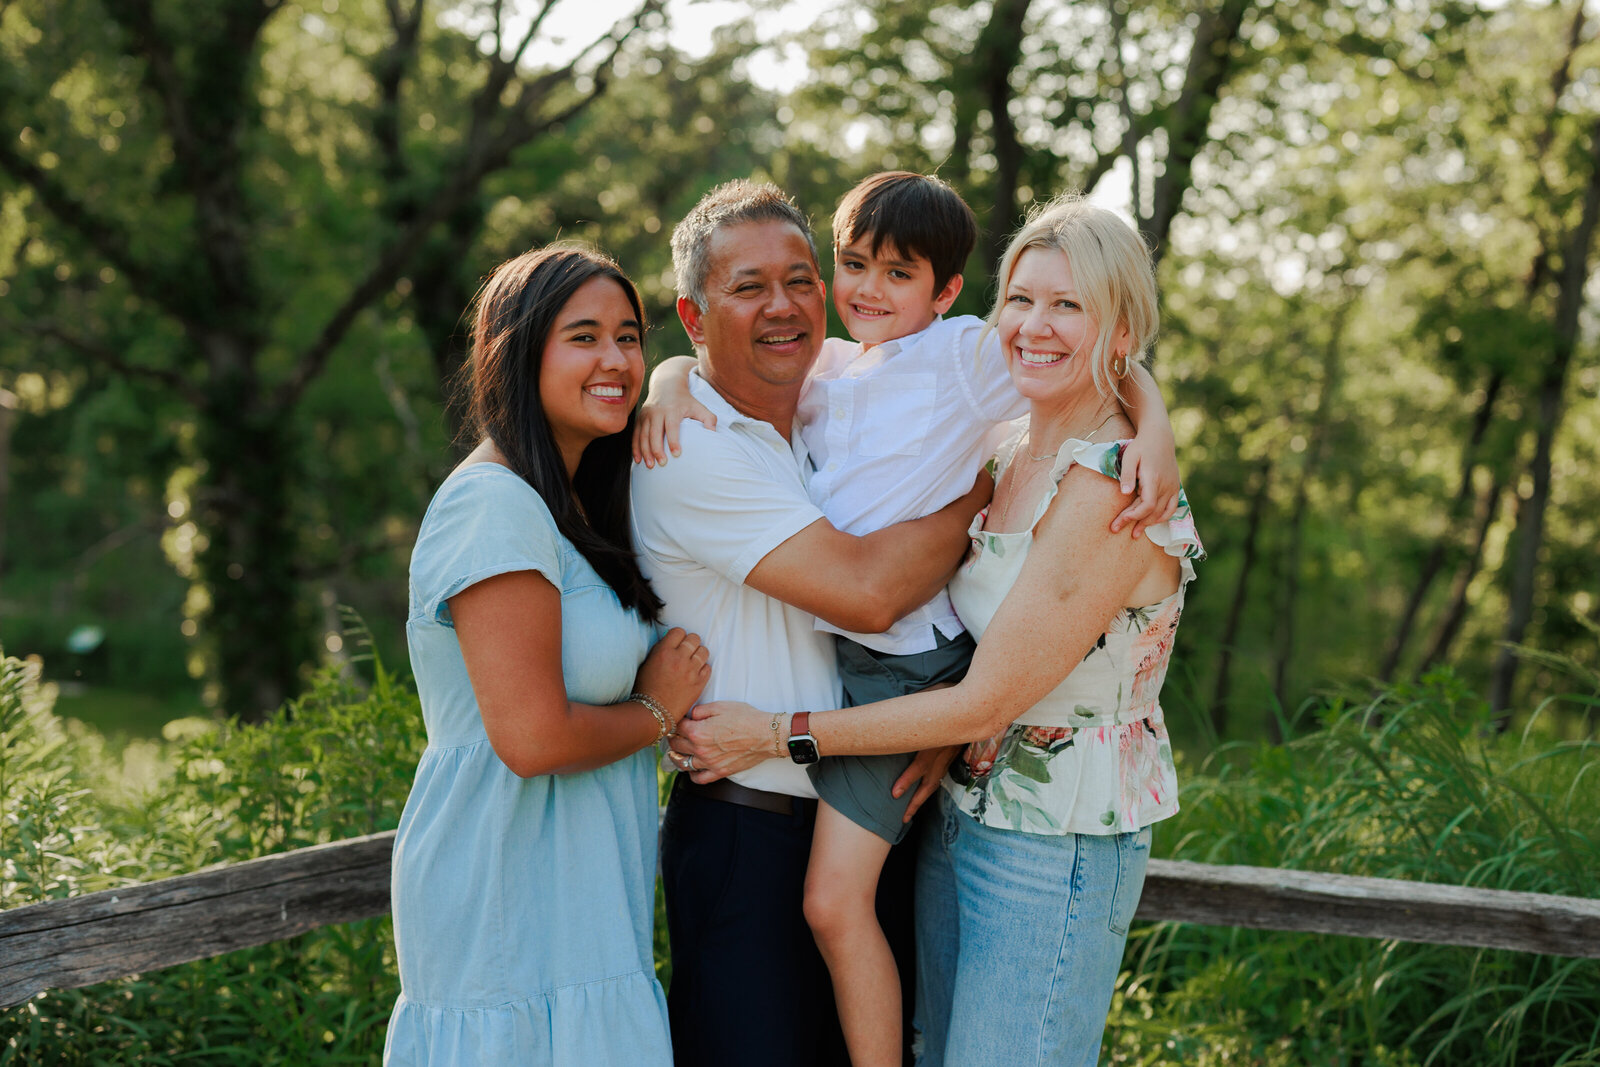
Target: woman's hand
<point x="675" y="672"/>
<point x="722" y="738"/>
<point x="927" y="769"/>
<point x="667" y="404"/>
<point x="1149" y="462"/>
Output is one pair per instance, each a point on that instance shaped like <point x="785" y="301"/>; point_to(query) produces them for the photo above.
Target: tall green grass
<point x="1411" y="783"/>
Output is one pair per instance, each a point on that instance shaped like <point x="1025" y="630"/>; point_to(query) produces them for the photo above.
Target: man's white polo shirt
<point x="701" y="523"/>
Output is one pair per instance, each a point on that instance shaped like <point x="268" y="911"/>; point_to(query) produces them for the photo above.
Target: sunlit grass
<point x="126" y="714"/>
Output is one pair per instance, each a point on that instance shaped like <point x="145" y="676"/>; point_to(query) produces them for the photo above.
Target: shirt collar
<point x="728" y="415"/>
<point x="900" y="344"/>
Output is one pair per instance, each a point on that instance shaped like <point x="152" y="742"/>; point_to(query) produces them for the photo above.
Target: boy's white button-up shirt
<point x="701" y="523"/>
<point x="896" y="432"/>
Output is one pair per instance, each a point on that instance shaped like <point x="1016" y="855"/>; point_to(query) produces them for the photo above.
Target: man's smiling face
<point x="765" y="313"/>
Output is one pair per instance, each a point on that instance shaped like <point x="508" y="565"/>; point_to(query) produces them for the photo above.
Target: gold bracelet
<point x="777" y="746"/>
<point x="663" y="720"/>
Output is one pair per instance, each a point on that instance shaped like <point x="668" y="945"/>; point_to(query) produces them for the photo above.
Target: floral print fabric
<point x="1093" y="756"/>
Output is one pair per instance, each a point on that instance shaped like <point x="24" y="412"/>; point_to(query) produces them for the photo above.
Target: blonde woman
<point x="1032" y="870"/>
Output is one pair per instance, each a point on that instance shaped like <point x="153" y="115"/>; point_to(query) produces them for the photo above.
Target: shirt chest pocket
<point x="897" y="415"/>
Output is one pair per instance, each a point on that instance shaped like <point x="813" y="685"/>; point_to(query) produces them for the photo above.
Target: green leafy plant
<point x="1412" y="783"/>
<point x="335" y="763"/>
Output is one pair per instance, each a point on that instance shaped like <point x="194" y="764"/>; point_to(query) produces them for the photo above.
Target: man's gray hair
<point x="728" y="204"/>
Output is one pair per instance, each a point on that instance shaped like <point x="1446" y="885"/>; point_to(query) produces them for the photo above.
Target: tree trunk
<point x="439" y="296"/>
<point x="1552" y="386"/>
<point x="243" y="506"/>
<point x="1433" y="565"/>
<point x="1230" y="628"/>
<point x="199" y="81"/>
<point x="1210" y="60"/>
<point x="999" y="50"/>
<point x="1316" y="450"/>
<point x="8" y="418"/>
<point x="1455" y="613"/>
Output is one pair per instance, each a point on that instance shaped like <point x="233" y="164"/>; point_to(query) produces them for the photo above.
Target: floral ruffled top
<point x="1093" y="756"/>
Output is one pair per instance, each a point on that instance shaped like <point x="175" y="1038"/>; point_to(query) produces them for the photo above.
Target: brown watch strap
<point x="800" y="724"/>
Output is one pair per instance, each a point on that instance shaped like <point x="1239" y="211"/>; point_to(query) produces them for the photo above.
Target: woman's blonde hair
<point x="1111" y="267"/>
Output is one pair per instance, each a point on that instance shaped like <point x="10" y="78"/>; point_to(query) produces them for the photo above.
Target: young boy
<point x="896" y="425"/>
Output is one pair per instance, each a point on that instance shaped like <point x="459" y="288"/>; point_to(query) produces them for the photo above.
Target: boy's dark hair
<point x="915" y="214"/>
<point x="516" y="312"/>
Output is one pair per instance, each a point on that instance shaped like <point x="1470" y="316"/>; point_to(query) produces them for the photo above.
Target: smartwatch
<point x="802" y="746"/>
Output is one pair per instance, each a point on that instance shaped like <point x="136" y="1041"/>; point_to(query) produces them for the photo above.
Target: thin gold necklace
<point x="1040" y="458"/>
<point x="1005" y="505"/>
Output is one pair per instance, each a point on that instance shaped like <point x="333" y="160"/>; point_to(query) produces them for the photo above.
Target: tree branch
<point x="533" y="31"/>
<point x="1130" y="131"/>
<point x="484" y="154"/>
<point x="103" y="234"/>
<point x="137" y="17"/>
<point x="388" y="70"/>
<point x="1561" y="77"/>
<point x="113" y="359"/>
<point x="1210" y="60"/>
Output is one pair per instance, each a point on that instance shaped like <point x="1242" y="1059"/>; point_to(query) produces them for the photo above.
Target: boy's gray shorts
<point x="858" y="786"/>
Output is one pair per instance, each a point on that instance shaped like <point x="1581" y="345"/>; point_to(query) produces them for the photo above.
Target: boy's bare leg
<point x="841" y="884"/>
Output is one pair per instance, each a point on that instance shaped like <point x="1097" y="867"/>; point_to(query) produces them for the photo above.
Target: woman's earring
<point x="1119" y="365"/>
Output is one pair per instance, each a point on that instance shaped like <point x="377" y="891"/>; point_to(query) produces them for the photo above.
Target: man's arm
<point x="868" y="583"/>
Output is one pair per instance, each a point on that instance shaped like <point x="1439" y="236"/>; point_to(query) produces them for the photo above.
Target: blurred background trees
<point x="237" y="239"/>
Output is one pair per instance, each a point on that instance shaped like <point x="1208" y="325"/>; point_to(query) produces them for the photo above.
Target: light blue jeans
<point x="1019" y="938"/>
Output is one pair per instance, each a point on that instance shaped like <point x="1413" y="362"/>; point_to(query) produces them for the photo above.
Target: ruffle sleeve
<point x="1176" y="536"/>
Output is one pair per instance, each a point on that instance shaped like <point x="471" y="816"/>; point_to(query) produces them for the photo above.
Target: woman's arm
<point x="1078" y="575"/>
<point x="509" y="627"/>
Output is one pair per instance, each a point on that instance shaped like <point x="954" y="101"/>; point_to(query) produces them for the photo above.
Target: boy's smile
<point x="887" y="295"/>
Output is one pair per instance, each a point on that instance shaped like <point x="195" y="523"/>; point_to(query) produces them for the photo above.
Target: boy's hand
<point x="666" y="404"/>
<point x="1150" y="462"/>
<point x="927" y="769"/>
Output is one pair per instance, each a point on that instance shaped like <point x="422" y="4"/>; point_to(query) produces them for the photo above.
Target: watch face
<point x="802" y="749"/>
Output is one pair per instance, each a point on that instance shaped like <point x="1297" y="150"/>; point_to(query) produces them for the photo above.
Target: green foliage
<point x="1410" y="783"/>
<point x="336" y="763"/>
<point x="1413" y="784"/>
<point x="1362" y="264"/>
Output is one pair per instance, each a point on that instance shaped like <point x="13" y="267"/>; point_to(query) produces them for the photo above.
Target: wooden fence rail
<point x="64" y="944"/>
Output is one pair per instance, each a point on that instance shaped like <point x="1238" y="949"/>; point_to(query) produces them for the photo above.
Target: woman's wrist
<point x="666" y="723"/>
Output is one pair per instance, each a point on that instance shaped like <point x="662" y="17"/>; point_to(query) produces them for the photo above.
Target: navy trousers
<point x="748" y="987"/>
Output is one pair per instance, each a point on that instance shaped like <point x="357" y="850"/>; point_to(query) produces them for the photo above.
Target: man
<point x="740" y="555"/>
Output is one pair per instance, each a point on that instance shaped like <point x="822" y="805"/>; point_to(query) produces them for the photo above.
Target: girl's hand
<point x="666" y="405"/>
<point x="675" y="672"/>
<point x="1149" y="462"/>
<point x="723" y="737"/>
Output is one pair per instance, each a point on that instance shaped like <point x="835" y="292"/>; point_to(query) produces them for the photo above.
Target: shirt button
<point x="833" y="466"/>
<point x="838" y="413"/>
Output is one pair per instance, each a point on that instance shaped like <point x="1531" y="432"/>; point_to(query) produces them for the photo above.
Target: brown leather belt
<point x="731" y="792"/>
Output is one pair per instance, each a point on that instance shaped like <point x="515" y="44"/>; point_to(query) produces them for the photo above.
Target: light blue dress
<point x="522" y="907"/>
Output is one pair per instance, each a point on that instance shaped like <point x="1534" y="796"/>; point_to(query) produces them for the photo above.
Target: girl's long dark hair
<point x="516" y="311"/>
